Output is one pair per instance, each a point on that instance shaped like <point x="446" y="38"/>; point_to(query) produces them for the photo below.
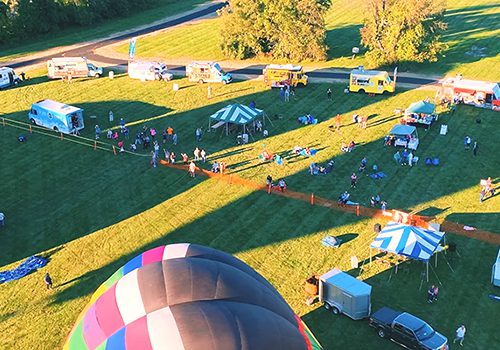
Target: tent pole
<point x="427" y="274"/>
<point x="436" y="260"/>
<point x="209" y="124"/>
<point x="227" y="128"/>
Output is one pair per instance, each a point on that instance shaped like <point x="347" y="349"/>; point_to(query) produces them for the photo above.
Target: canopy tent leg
<point x="227" y="128"/>
<point x="436" y="260"/>
<point x="209" y="124"/>
<point x="427" y="271"/>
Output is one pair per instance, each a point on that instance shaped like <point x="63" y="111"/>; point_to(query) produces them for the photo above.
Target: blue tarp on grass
<point x="31" y="264"/>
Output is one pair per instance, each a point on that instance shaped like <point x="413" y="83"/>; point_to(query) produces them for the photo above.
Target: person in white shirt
<point x="460" y="335"/>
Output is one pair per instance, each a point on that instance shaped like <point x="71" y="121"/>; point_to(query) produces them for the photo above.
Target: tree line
<point x="29" y="19"/>
<point x="394" y="30"/>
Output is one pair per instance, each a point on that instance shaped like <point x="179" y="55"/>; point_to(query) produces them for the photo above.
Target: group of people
<point x="468" y="144"/>
<point x="316" y="168"/>
<point x="219" y="167"/>
<point x="432" y="294"/>
<point x="286" y="91"/>
<point x="347" y="148"/>
<point x="270" y="185"/>
<point x="405" y="158"/>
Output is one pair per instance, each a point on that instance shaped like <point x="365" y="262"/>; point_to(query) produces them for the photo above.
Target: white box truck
<point x="207" y="72"/>
<point x="72" y="67"/>
<point x="144" y="71"/>
<point x="342" y="293"/>
<point x="8" y="77"/>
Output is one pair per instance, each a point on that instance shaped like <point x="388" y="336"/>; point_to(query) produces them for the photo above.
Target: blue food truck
<point x="56" y="116"/>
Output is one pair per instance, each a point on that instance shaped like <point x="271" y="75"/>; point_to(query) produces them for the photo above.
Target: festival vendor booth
<point x="409" y="241"/>
<point x="472" y="92"/>
<point x="239" y="115"/>
<point x="404" y="136"/>
<point x="420" y="113"/>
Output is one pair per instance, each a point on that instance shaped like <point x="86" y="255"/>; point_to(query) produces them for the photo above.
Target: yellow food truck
<point x="276" y="75"/>
<point x="371" y="81"/>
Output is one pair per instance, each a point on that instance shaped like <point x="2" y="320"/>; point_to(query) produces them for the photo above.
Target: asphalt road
<point x="88" y="51"/>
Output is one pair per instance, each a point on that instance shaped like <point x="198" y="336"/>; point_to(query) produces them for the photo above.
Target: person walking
<point x="122" y="125"/>
<point x="203" y="155"/>
<point x="198" y="134"/>
<point x="192" y="169"/>
<point x="196" y="154"/>
<point x="474" y="148"/>
<point x="287" y="94"/>
<point x="354" y="179"/>
<point x="282" y="93"/>
<point x="111" y="117"/>
<point x="460" y="335"/>
<point x="410" y="159"/>
<point x="329" y="93"/>
<point x="97" y="132"/>
<point x="48" y="281"/>
<point x="153" y="159"/>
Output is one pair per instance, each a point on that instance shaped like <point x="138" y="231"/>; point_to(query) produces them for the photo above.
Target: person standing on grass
<point x="192" y="169"/>
<point x="354" y="179"/>
<point x="196" y="154"/>
<point x="97" y="132"/>
<point x="48" y="281"/>
<point x="329" y="93"/>
<point x="338" y="122"/>
<point x="172" y="157"/>
<point x="467" y="142"/>
<point x="203" y="155"/>
<point x="164" y="136"/>
<point x="474" y="148"/>
<point x="287" y="94"/>
<point x="174" y="139"/>
<point x="153" y="159"/>
<point x="282" y="185"/>
<point x="482" y="194"/>
<point x="282" y="93"/>
<point x="460" y="335"/>
<point x="198" y="134"/>
<point x="111" y="116"/>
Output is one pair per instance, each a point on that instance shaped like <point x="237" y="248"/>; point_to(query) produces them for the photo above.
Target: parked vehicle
<point x="371" y="81"/>
<point x="207" y="72"/>
<point x="8" y="77"/>
<point x="342" y="293"/>
<point x="472" y="92"/>
<point x="144" y="70"/>
<point x="276" y="75"/>
<point x="407" y="330"/>
<point x="72" y="67"/>
<point x="56" y="116"/>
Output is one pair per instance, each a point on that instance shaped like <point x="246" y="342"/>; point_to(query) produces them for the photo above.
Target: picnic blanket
<point x="379" y="175"/>
<point x="330" y="241"/>
<point x="31" y="264"/>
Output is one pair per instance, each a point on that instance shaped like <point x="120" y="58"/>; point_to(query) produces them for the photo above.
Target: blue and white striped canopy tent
<point x="236" y="114"/>
<point x="413" y="242"/>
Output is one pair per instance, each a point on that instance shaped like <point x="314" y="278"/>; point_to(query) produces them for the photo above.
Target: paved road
<point x="88" y="51"/>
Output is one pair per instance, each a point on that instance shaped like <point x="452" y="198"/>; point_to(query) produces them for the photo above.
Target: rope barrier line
<point x="358" y="210"/>
<point x="95" y="144"/>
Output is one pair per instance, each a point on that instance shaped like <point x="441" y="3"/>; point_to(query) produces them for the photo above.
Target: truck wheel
<point x="56" y="129"/>
<point x="361" y="91"/>
<point x="327" y="306"/>
<point x="157" y="77"/>
<point x="33" y="121"/>
<point x="335" y="311"/>
<point x="224" y="82"/>
<point x="200" y="81"/>
<point x="97" y="75"/>
<point x="381" y="333"/>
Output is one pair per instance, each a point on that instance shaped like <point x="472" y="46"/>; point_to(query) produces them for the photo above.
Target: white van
<point x="8" y="77"/>
<point x="74" y="67"/>
<point x="145" y="70"/>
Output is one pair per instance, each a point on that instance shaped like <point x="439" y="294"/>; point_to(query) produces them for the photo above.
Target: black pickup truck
<point x="407" y="330"/>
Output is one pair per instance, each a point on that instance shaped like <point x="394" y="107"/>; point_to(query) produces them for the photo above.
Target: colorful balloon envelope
<point x="188" y="297"/>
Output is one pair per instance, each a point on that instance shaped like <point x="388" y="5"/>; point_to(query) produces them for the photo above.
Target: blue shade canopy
<point x="413" y="242"/>
<point x="421" y="107"/>
<point x="237" y="114"/>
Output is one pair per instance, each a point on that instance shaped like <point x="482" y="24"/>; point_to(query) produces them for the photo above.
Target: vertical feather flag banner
<point x="131" y="48"/>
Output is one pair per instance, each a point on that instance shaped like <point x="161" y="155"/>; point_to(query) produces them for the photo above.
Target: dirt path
<point x="446" y="226"/>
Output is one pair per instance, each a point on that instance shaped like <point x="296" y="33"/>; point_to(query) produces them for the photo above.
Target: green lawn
<point x="76" y="35"/>
<point x="472" y="39"/>
<point x="91" y="211"/>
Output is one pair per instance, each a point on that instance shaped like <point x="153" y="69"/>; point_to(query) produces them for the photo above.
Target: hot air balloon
<point x="188" y="297"/>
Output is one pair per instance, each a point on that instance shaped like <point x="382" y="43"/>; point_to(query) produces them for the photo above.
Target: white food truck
<point x="8" y="77"/>
<point x="72" y="67"/>
<point x="145" y="70"/>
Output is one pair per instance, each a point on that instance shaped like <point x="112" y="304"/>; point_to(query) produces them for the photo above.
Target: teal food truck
<point x="56" y="116"/>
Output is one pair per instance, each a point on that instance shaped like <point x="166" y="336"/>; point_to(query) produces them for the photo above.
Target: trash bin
<point x="111" y="74"/>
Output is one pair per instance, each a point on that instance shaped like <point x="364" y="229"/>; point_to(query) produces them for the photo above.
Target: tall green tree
<point x="291" y="29"/>
<point x="403" y="30"/>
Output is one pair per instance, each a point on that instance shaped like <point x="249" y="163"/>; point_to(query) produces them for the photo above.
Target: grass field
<point x="76" y="35"/>
<point x="90" y="211"/>
<point x="472" y="39"/>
